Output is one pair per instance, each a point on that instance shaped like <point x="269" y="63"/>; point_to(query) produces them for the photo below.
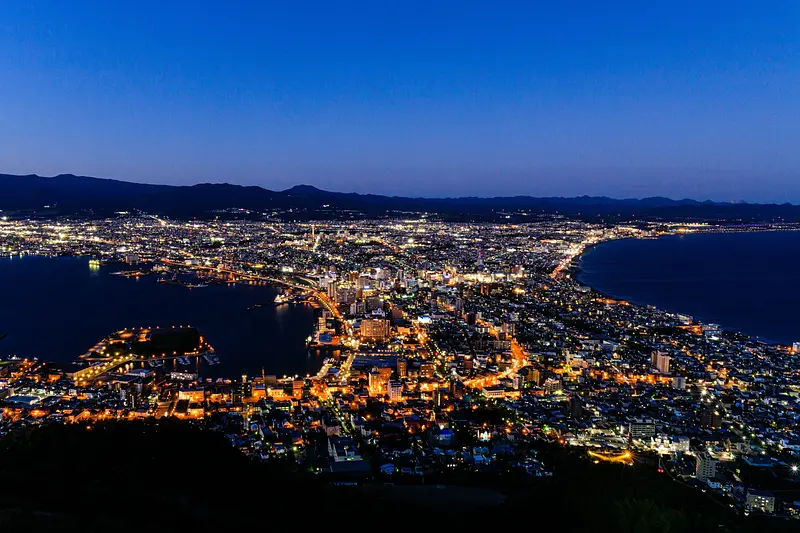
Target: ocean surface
<point x="748" y="282"/>
<point x="57" y="308"/>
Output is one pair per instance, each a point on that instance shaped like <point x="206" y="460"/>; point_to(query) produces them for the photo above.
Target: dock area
<point x="152" y="346"/>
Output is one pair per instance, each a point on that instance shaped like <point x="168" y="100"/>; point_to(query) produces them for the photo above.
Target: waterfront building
<point x="333" y="290"/>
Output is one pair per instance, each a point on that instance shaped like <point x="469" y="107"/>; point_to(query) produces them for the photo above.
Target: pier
<point x="144" y="345"/>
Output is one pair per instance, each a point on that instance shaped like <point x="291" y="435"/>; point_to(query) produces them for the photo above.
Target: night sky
<point x="693" y="99"/>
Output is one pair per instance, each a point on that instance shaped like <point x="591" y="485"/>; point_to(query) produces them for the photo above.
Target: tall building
<point x="437" y="397"/>
<point x="332" y="288"/>
<point x="395" y="390"/>
<point x="246" y="388"/>
<point x="456" y="388"/>
<point x="705" y="467"/>
<point x="374" y="329"/>
<point x="402" y="367"/>
<point x="552" y="385"/>
<point x="660" y="362"/>
<point x="345" y="295"/>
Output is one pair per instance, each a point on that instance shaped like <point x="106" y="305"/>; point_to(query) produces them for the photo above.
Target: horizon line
<point x="314" y="187"/>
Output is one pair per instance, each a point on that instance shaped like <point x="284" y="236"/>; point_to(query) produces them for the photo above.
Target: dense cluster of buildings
<point x="453" y="348"/>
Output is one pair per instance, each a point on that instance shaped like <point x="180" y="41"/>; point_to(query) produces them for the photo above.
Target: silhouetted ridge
<point x="305" y="189"/>
<point x="70" y="194"/>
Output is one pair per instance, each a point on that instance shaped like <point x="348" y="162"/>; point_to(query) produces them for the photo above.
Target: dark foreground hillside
<point x="169" y="476"/>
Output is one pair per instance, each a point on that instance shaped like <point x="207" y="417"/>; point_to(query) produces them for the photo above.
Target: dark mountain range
<point x="69" y="194"/>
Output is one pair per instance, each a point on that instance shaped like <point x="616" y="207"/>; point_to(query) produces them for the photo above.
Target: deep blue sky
<point x="637" y="98"/>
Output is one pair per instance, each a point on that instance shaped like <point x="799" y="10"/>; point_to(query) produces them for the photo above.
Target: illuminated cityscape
<point x="451" y="266"/>
<point x="451" y="349"/>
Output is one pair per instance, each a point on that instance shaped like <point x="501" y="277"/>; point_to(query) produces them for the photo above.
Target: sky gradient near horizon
<point x="619" y="98"/>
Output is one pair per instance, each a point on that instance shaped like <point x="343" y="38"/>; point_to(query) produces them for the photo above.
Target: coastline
<point x="575" y="269"/>
<point x="577" y="274"/>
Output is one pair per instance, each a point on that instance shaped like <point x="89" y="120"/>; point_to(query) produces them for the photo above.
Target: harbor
<point x="75" y="304"/>
<point x="130" y="348"/>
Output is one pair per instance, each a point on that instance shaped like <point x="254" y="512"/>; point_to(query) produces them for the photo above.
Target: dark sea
<point x="748" y="282"/>
<point x="57" y="308"/>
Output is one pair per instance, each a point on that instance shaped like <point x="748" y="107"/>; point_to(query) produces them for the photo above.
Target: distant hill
<point x="69" y="194"/>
